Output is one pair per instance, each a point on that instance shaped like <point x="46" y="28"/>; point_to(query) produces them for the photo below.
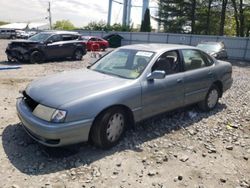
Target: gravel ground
<point x="185" y="148"/>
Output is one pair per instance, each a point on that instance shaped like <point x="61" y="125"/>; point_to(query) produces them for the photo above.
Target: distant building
<point x="26" y="26"/>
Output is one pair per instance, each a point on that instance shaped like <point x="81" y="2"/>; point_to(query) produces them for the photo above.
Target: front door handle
<point x="210" y="74"/>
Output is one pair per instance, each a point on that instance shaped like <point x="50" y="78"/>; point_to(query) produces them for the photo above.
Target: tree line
<point x="207" y="17"/>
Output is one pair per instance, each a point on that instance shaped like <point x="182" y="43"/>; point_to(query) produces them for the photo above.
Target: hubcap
<point x="115" y="127"/>
<point x="212" y="98"/>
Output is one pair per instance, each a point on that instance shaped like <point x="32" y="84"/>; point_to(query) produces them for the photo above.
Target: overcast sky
<point x="79" y="12"/>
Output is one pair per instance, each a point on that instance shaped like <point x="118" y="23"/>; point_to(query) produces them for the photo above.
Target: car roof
<point x="61" y="32"/>
<point x="157" y="47"/>
<point x="88" y="36"/>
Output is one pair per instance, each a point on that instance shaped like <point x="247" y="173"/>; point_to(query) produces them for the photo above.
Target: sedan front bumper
<point x="52" y="134"/>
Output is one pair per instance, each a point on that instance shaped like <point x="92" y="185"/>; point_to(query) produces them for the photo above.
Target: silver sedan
<point x="123" y="87"/>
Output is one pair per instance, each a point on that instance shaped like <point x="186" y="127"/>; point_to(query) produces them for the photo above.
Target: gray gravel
<point x="185" y="148"/>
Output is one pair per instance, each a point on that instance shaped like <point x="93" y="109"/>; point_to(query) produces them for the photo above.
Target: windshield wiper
<point x="110" y="74"/>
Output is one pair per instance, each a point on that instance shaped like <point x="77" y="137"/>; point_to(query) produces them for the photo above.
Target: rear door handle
<point x="179" y="80"/>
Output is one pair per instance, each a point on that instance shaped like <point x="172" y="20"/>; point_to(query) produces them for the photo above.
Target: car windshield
<point x="84" y="38"/>
<point x="209" y="47"/>
<point x="40" y="37"/>
<point x="125" y="63"/>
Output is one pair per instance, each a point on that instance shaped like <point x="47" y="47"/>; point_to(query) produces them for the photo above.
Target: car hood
<point x="57" y="90"/>
<point x="24" y="41"/>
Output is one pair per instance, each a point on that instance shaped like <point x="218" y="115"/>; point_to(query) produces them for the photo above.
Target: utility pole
<point x="109" y="12"/>
<point x="125" y="12"/>
<point x="50" y="19"/>
<point x="129" y="12"/>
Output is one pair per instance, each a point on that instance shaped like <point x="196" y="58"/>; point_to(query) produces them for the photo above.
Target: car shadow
<point x="32" y="158"/>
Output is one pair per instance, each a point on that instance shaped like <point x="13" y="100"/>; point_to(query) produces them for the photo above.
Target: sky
<point x="79" y="12"/>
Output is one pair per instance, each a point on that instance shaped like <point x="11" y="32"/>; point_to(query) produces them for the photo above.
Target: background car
<point x="90" y="40"/>
<point x="215" y="49"/>
<point x="47" y="45"/>
<point x="125" y="86"/>
<point x="7" y="33"/>
<point x="21" y="34"/>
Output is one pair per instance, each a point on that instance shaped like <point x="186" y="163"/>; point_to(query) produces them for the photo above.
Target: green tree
<point x="3" y="23"/>
<point x="64" y="25"/>
<point x="97" y="26"/>
<point x="146" y="24"/>
<point x="102" y="26"/>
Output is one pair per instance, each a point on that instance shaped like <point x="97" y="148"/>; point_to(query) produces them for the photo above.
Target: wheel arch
<point x="126" y="109"/>
<point x="219" y="84"/>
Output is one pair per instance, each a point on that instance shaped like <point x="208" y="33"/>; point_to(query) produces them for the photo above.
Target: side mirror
<point x="157" y="74"/>
<point x="49" y="41"/>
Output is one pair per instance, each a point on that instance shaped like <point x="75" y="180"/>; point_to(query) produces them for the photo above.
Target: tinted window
<point x="93" y="39"/>
<point x="194" y="59"/>
<point x="68" y="37"/>
<point x="168" y="62"/>
<point x="55" y="38"/>
<point x="40" y="37"/>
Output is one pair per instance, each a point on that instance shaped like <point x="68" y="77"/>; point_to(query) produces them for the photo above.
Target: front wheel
<point x="36" y="57"/>
<point x="109" y="128"/>
<point x="211" y="100"/>
<point x="78" y="54"/>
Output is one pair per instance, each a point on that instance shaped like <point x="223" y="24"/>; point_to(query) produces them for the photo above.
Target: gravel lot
<point x="185" y="148"/>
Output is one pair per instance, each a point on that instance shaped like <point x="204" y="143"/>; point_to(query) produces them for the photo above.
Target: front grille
<point x="32" y="104"/>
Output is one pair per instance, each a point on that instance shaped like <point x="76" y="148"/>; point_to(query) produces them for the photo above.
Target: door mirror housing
<point x="157" y="74"/>
<point x="49" y="41"/>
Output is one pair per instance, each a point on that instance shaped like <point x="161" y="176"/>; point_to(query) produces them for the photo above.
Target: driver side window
<point x="55" y="38"/>
<point x="168" y="62"/>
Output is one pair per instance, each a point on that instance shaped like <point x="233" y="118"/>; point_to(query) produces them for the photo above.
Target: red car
<point x="90" y="40"/>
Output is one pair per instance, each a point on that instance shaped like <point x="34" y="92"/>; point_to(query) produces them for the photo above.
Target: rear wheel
<point x="211" y="100"/>
<point x="36" y="57"/>
<point x="78" y="54"/>
<point x="109" y="128"/>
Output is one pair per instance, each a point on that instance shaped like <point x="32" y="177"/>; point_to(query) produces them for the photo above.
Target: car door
<point x="54" y="46"/>
<point x="160" y="95"/>
<point x="68" y="44"/>
<point x="91" y="41"/>
<point x="198" y="75"/>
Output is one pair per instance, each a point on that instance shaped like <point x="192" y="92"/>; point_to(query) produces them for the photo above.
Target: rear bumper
<point x="52" y="134"/>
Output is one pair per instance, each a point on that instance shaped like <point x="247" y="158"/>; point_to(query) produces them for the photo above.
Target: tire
<point x="77" y="55"/>
<point x="9" y="59"/>
<point x="103" y="48"/>
<point x="211" y="100"/>
<point x="36" y="57"/>
<point x="109" y="128"/>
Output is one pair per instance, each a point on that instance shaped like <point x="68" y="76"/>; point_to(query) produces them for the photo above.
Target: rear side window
<point x="55" y="38"/>
<point x="195" y="59"/>
<point x="68" y="37"/>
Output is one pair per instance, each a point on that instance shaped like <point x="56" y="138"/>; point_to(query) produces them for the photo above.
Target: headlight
<point x="58" y="116"/>
<point x="49" y="114"/>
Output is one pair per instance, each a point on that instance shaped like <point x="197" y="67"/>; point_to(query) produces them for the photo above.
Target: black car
<point x="215" y="49"/>
<point x="47" y="45"/>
